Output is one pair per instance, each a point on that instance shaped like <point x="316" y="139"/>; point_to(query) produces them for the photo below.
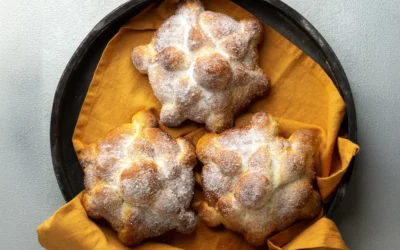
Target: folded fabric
<point x="70" y="228"/>
<point x="302" y="96"/>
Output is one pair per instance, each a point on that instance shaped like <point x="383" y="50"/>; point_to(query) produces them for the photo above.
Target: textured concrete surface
<point x="37" y="40"/>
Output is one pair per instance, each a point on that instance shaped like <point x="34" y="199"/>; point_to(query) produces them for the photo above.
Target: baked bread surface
<point x="255" y="182"/>
<point x="203" y="66"/>
<point x="140" y="180"/>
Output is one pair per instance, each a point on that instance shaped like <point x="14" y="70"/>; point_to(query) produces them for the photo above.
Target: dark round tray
<point x="78" y="74"/>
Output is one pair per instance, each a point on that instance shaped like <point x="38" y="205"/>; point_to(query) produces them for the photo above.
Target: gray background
<point x="38" y="38"/>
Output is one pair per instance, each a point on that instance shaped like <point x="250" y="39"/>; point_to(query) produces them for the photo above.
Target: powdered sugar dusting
<point x="260" y="182"/>
<point x="202" y="51"/>
<point x="171" y="33"/>
<point x="140" y="180"/>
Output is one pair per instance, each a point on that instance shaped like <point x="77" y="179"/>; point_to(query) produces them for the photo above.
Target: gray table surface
<point x="38" y="38"/>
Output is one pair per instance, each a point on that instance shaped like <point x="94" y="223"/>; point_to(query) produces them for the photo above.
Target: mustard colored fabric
<point x="302" y="96"/>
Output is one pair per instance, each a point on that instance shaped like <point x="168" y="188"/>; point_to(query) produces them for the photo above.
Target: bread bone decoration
<point x="140" y="180"/>
<point x="203" y="66"/>
<point x="255" y="182"/>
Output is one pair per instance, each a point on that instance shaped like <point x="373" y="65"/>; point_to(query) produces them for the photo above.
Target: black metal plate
<point x="78" y="74"/>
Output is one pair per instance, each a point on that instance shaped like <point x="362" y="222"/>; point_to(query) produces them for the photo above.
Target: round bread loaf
<point x="202" y="66"/>
<point x="140" y="180"/>
<point x="255" y="182"/>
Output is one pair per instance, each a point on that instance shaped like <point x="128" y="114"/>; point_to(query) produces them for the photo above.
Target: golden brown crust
<point x="203" y="66"/>
<point x="196" y="38"/>
<point x="140" y="180"/>
<point x="212" y="72"/>
<point x="172" y="59"/>
<point x="256" y="182"/>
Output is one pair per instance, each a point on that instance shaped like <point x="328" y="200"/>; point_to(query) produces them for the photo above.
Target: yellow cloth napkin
<point x="71" y="229"/>
<point x="302" y="96"/>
